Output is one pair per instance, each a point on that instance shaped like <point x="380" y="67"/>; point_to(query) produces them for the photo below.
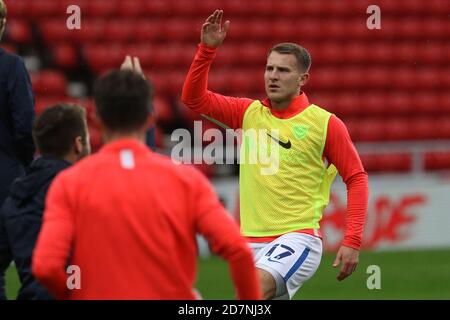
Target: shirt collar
<point x="298" y="104"/>
<point x="125" y="143"/>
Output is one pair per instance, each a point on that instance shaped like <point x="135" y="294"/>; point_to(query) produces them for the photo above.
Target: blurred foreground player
<point x="61" y="135"/>
<point x="128" y="217"/>
<point x="280" y="212"/>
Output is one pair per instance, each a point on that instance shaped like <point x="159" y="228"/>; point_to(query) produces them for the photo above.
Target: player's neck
<point x="110" y="136"/>
<point x="280" y="105"/>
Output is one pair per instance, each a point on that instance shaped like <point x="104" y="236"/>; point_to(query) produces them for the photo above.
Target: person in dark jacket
<point x="16" y="115"/>
<point x="62" y="137"/>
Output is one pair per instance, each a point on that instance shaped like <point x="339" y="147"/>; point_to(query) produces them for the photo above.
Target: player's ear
<point x="303" y="79"/>
<point x="78" y="145"/>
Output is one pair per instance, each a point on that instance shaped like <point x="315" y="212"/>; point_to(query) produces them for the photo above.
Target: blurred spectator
<point x="61" y="136"/>
<point x="16" y="118"/>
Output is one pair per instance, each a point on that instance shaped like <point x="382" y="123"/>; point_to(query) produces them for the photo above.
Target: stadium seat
<point x="398" y="103"/>
<point x="164" y="113"/>
<point x="187" y="8"/>
<point x="52" y="32"/>
<point x="101" y="58"/>
<point x="148" y="31"/>
<point x="49" y="82"/>
<point x="17" y="8"/>
<point x="434" y="52"/>
<point x="425" y="103"/>
<point x="144" y="51"/>
<point x="437" y="160"/>
<point x="366" y="130"/>
<point x="65" y="55"/>
<point x="348" y="104"/>
<point x="182" y="29"/>
<point x="387" y="162"/>
<point x="131" y="9"/>
<point x="257" y="29"/>
<point x="394" y="162"/>
<point x="444" y="78"/>
<point x="18" y="31"/>
<point x="41" y="9"/>
<point x="118" y="30"/>
<point x="398" y="129"/>
<point x="45" y="101"/>
<point x="444" y="102"/>
<point x="93" y="30"/>
<point x="263" y="8"/>
<point x="101" y="8"/>
<point x="442" y="127"/>
<point x="422" y="128"/>
<point x="157" y="8"/>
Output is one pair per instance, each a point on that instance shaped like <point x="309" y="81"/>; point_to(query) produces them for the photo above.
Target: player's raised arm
<point x="195" y="95"/>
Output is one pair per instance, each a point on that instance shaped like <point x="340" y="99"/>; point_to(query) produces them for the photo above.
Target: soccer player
<point x="127" y="217"/>
<point x="280" y="213"/>
<point x="62" y="137"/>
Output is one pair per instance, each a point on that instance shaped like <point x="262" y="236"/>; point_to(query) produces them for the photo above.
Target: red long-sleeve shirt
<point x="127" y="217"/>
<point x="338" y="150"/>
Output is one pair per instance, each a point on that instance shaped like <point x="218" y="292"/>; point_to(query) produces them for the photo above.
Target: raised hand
<point x="213" y="33"/>
<point x="133" y="65"/>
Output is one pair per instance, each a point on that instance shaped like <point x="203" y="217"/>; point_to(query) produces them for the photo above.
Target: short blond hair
<point x="3" y="10"/>
<point x="3" y="13"/>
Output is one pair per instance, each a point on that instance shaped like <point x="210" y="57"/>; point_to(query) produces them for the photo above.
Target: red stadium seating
<point x="157" y="8"/>
<point x="131" y="9"/>
<point x="49" y="82"/>
<point x="118" y="30"/>
<point x="18" y="31"/>
<point x="437" y="160"/>
<point x="41" y="9"/>
<point x="65" y="55"/>
<point x="386" y="85"/>
<point x="163" y="111"/>
<point x="45" y="101"/>
<point x="387" y="162"/>
<point x="17" y="8"/>
<point x="101" y="8"/>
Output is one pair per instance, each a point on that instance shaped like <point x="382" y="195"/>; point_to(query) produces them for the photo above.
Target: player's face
<point x="282" y="78"/>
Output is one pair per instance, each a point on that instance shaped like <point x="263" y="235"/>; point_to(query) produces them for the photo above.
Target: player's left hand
<point x="349" y="258"/>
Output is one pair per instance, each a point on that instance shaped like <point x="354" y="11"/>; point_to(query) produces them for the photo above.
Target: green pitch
<point x="404" y="275"/>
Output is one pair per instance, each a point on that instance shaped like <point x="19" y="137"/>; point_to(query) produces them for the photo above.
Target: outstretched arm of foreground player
<point x="222" y="233"/>
<point x="195" y="95"/>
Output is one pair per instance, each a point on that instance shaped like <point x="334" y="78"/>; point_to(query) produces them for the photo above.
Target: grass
<point x="404" y="275"/>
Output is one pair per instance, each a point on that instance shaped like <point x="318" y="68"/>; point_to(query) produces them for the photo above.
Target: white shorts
<point x="291" y="259"/>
